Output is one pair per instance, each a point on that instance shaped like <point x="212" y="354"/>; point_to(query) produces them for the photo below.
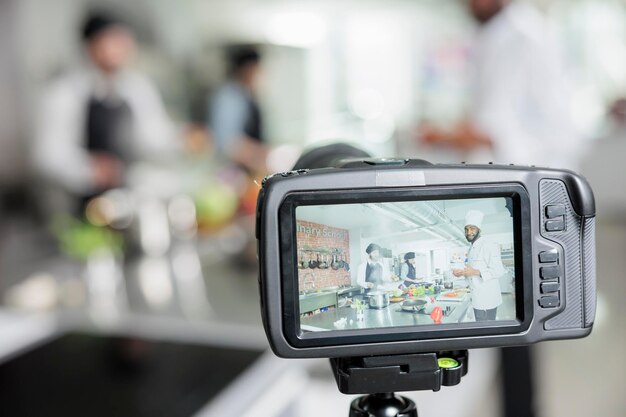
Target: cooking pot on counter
<point x="378" y="299"/>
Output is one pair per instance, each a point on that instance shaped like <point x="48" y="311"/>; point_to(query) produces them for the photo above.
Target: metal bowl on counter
<point x="378" y="299"/>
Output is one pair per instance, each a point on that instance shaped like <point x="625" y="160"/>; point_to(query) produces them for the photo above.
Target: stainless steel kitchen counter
<point x="390" y="316"/>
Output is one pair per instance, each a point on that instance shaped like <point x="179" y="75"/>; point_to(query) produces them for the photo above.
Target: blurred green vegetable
<point x="358" y="304"/>
<point x="216" y="204"/>
<point x="79" y="239"/>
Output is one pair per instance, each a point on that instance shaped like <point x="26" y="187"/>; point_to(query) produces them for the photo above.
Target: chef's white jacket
<point x="59" y="152"/>
<point x="521" y="98"/>
<point x="485" y="256"/>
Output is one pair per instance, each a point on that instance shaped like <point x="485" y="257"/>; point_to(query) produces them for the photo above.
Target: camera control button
<point x="555" y="225"/>
<point x="549" y="301"/>
<point x="555" y="210"/>
<point x="549" y="272"/>
<point x="549" y="256"/>
<point x="549" y="287"/>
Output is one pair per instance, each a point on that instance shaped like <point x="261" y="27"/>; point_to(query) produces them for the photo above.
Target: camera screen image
<point x="376" y="265"/>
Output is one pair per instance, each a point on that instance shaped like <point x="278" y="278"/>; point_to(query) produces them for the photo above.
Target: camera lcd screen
<point x="374" y="265"/>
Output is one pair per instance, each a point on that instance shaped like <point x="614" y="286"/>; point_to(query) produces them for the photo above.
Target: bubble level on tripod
<point x="447" y="363"/>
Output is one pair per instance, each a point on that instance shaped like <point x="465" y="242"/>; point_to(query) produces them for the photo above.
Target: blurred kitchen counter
<point x="220" y="306"/>
<point x="226" y="319"/>
<point x="221" y="309"/>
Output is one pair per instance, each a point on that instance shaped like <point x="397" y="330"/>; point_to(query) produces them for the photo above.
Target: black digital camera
<point x="398" y="256"/>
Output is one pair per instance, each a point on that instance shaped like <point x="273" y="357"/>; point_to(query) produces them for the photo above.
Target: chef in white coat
<point x="483" y="269"/>
<point x="520" y="102"/>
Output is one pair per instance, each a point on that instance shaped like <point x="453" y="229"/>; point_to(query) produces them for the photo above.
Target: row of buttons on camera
<point x="555" y="215"/>
<point x="551" y="275"/>
<point x="555" y="222"/>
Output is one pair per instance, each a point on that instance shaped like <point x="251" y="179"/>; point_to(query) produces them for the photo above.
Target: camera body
<point x="318" y="231"/>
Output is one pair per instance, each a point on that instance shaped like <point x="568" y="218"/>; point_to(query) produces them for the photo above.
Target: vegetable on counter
<point x="414" y="291"/>
<point x="216" y="205"/>
<point x="437" y="315"/>
<point x="79" y="239"/>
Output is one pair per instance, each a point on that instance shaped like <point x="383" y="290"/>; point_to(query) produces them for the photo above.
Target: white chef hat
<point x="474" y="218"/>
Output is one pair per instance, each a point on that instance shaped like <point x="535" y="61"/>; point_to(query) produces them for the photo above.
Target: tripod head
<point x="381" y="376"/>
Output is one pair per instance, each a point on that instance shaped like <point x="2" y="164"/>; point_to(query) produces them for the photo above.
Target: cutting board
<point x="460" y="296"/>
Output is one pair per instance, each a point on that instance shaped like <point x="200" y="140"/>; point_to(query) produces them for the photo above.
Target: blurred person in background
<point x="235" y="117"/>
<point x="519" y="114"/>
<point x="96" y="120"/>
<point x="604" y="165"/>
<point x="520" y="103"/>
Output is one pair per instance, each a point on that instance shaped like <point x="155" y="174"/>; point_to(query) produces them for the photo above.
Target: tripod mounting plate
<point x="415" y="372"/>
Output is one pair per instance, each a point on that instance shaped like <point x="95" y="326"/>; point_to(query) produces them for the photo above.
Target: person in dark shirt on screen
<point x="408" y="272"/>
<point x="373" y="274"/>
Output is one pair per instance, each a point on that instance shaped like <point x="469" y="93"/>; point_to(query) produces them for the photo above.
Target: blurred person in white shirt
<point x="604" y="166"/>
<point x="520" y="103"/>
<point x="99" y="118"/>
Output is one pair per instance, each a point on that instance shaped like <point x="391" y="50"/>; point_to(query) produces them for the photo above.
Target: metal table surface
<point x="390" y="316"/>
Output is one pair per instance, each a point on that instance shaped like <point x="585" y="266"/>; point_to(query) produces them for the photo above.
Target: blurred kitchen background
<point x="139" y="296"/>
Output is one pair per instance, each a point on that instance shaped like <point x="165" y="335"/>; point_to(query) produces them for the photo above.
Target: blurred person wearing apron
<point x="97" y="119"/>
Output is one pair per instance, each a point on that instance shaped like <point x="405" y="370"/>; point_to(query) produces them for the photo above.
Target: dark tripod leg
<point x="518" y="384"/>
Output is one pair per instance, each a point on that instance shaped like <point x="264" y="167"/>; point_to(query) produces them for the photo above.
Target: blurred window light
<point x="595" y="35"/>
<point x="613" y="61"/>
<point x="588" y="110"/>
<point x="378" y="70"/>
<point x="379" y="130"/>
<point x="367" y="103"/>
<point x="604" y="27"/>
<point x="296" y="29"/>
